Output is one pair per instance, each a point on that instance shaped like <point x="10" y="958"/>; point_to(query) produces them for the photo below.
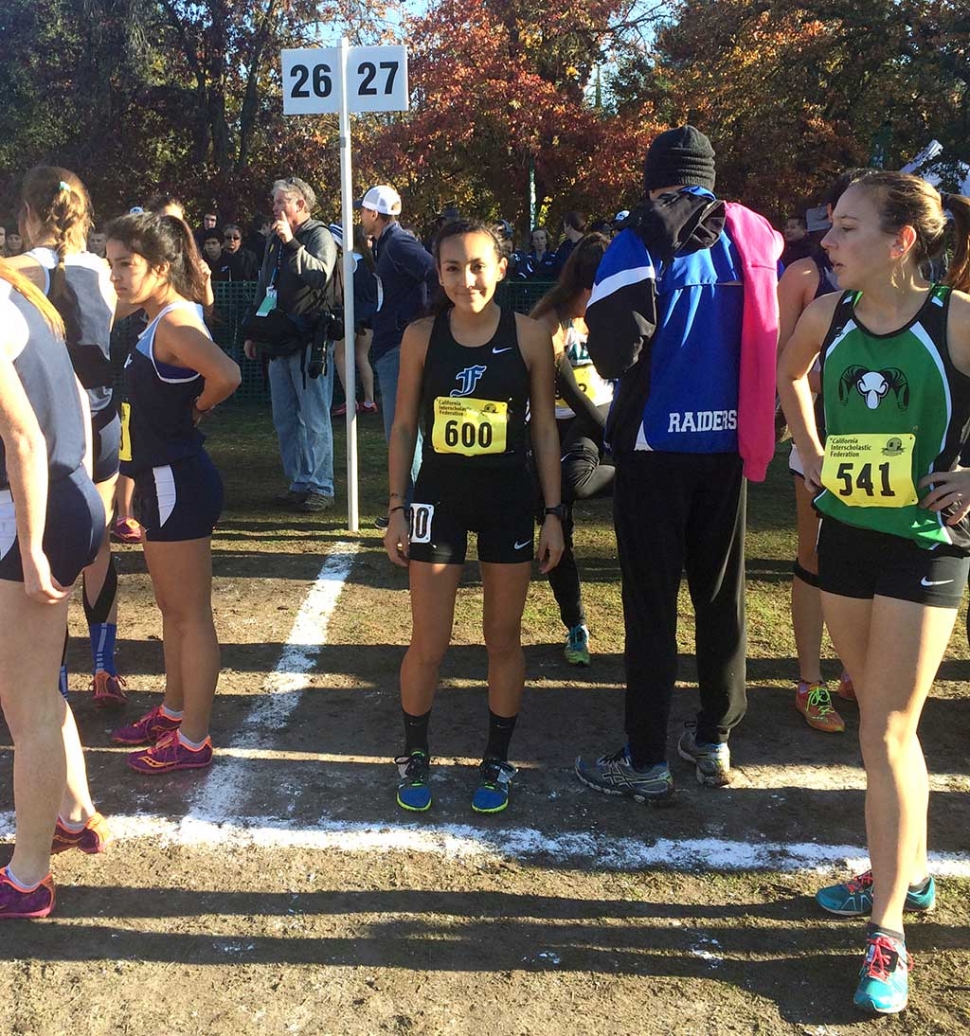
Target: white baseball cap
<point x="383" y="199"/>
<point x="621" y="215"/>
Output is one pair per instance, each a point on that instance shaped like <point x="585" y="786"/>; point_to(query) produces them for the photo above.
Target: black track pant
<point x="679" y="512"/>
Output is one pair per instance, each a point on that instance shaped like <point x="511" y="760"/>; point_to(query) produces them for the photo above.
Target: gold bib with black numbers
<point x="870" y="470"/>
<point x="124" y="446"/>
<point x="469" y="427"/>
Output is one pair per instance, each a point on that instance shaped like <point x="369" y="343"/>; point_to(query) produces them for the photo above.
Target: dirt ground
<point x="543" y="920"/>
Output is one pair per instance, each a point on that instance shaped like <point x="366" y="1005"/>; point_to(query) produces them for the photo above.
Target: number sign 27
<point x="377" y="80"/>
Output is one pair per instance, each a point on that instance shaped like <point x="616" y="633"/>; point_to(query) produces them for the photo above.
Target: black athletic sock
<point x="921" y="887"/>
<point x="878" y="929"/>
<point x="416" y="732"/>
<point x="499" y="735"/>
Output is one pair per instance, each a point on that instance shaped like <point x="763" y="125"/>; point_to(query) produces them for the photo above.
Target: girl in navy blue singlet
<point x="51" y="521"/>
<point x="174" y="376"/>
<point x="468" y="378"/>
<point x="56" y="217"/>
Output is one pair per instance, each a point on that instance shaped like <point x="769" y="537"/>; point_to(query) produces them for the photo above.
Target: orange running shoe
<point x="846" y="688"/>
<point x="94" y="837"/>
<point x="108" y="690"/>
<point x="814" y="702"/>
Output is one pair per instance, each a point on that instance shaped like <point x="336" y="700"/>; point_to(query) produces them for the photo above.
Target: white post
<point x="347" y="196"/>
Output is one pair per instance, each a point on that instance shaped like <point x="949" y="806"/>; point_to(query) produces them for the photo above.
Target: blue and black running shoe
<point x="414" y="791"/>
<point x="492" y="793"/>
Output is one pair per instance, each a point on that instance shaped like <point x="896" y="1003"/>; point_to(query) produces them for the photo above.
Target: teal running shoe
<point x="414" y="791"/>
<point x="576" y="651"/>
<point x="853" y="898"/>
<point x="884" y="978"/>
<point x="492" y="794"/>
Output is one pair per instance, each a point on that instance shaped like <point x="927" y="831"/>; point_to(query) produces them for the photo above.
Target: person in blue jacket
<point x="665" y="318"/>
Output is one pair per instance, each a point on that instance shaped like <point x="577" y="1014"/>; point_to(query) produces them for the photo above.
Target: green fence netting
<point x="232" y="301"/>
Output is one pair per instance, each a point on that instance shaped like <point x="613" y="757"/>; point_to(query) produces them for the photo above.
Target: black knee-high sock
<point x="416" y="732"/>
<point x="499" y="735"/>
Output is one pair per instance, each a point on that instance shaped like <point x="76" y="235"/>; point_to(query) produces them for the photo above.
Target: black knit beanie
<point x="679" y="156"/>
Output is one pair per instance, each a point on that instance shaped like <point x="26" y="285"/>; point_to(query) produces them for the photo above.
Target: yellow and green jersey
<point x="895" y="410"/>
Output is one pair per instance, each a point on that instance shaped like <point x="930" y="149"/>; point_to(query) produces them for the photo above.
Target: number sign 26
<point x="377" y="80"/>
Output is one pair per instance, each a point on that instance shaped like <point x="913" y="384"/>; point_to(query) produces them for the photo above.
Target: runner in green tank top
<point x="893" y="543"/>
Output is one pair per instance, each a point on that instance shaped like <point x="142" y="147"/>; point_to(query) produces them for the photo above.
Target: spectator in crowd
<point x="210" y="221"/>
<point x="260" y="228"/>
<point x="405" y="270"/>
<point x="235" y="262"/>
<point x="293" y="284"/>
<point x="96" y="242"/>
<point x="672" y="295"/>
<point x="15" y="243"/>
<point x="798" y="245"/>
<point x="365" y="295"/>
<point x="212" y="249"/>
<point x="573" y="229"/>
<point x="618" y="222"/>
<point x="540" y="263"/>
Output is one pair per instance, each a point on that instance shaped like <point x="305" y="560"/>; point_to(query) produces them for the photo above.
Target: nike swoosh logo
<point x="507" y="349"/>
<point x="525" y="543"/>
<point x="934" y="582"/>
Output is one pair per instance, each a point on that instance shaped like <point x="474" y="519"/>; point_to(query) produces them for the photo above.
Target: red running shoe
<point x="126" y="530"/>
<point x="93" y="838"/>
<point x="147" y="730"/>
<point x="169" y="754"/>
<point x="108" y="690"/>
<point x="17" y="902"/>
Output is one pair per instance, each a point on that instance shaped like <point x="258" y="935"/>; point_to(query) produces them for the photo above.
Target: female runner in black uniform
<point x="467" y="377"/>
<point x="56" y="218"/>
<point x="583" y="401"/>
<point x="174" y="375"/>
<point x="51" y="522"/>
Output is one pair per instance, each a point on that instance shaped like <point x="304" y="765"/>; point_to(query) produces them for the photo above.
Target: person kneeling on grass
<point x="467" y="378"/>
<point x="51" y="524"/>
<point x="174" y="376"/>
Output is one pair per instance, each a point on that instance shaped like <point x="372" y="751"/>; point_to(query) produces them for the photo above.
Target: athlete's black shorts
<point x="449" y="502"/>
<point x="106" y="441"/>
<point x="72" y="535"/>
<point x="179" y="501"/>
<point x="864" y="564"/>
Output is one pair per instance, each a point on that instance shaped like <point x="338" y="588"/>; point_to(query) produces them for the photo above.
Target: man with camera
<point x="291" y="328"/>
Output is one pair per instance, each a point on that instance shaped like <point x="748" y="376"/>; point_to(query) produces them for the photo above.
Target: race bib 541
<point x="870" y="470"/>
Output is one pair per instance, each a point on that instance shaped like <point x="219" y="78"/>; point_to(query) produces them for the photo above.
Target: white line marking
<point x="462" y="841"/>
<point x="227" y="782"/>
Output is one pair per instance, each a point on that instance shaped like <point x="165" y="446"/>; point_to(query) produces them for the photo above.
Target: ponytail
<point x="59" y="202"/>
<point x="34" y="296"/>
<point x="958" y="275"/>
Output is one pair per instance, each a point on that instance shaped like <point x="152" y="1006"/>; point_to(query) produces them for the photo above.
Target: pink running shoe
<point x="169" y="754"/>
<point x="108" y="690"/>
<point x="15" y="902"/>
<point x="126" y="530"/>
<point x="846" y="688"/>
<point x="93" y="838"/>
<point x="147" y="730"/>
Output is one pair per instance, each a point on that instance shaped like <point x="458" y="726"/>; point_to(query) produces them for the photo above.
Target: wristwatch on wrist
<point x="559" y="511"/>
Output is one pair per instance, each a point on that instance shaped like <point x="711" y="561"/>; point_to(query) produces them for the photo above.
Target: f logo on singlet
<point x="469" y="378"/>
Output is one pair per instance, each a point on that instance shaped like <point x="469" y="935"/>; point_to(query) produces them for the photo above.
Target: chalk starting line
<point x="212" y="822"/>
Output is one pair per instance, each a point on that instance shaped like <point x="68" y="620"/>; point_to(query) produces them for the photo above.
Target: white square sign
<point x="377" y="80"/>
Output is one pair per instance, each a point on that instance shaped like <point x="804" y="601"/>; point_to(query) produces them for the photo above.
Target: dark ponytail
<point x="958" y="275"/>
<point x="164" y="239"/>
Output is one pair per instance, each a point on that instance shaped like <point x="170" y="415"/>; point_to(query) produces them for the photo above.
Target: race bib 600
<point x="470" y="427"/>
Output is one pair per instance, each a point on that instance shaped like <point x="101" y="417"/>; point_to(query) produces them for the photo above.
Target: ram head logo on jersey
<point x="873" y="386"/>
<point x="469" y="378"/>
